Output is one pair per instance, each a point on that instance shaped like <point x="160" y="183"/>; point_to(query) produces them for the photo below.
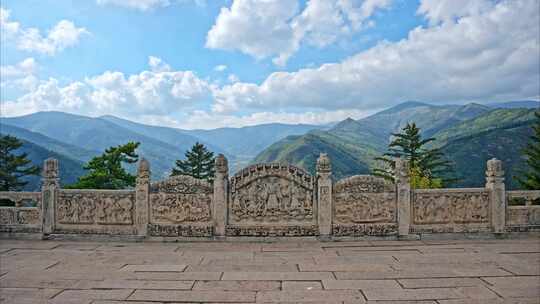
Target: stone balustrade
<point x="270" y="200"/>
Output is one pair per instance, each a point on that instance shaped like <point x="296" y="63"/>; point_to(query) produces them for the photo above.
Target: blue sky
<point x="205" y="64"/>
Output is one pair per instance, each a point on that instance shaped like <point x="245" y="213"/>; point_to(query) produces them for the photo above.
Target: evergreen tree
<point x="530" y="179"/>
<point x="199" y="163"/>
<point x="106" y="171"/>
<point x="13" y="167"/>
<point x="427" y="166"/>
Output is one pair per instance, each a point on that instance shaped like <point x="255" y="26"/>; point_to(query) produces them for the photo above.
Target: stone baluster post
<point x="50" y="183"/>
<point x="221" y="195"/>
<point x="324" y="195"/>
<point x="497" y="194"/>
<point x="403" y="189"/>
<point x="142" y="198"/>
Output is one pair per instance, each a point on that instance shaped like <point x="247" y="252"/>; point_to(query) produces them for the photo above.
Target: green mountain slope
<point x="467" y="134"/>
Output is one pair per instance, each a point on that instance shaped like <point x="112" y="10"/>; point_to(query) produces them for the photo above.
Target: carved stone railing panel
<point x="279" y="197"/>
<point x="21" y="218"/>
<point x="181" y="206"/>
<point x="526" y="215"/>
<point x="451" y="210"/>
<point x="95" y="211"/>
<point x="22" y="199"/>
<point x="364" y="205"/>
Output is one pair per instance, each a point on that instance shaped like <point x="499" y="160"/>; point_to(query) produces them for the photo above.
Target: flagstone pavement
<point x="401" y="272"/>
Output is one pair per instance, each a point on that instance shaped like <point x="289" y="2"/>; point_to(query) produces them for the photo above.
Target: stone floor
<point x="452" y="271"/>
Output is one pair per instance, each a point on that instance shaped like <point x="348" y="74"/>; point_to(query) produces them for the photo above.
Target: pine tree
<point x="428" y="169"/>
<point x="199" y="163"/>
<point x="13" y="167"/>
<point x="106" y="171"/>
<point x="530" y="179"/>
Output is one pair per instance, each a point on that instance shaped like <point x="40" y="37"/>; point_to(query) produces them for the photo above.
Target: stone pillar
<point x="497" y="194"/>
<point x="324" y="195"/>
<point x="221" y="195"/>
<point x="50" y="183"/>
<point x="403" y="189"/>
<point x="142" y="198"/>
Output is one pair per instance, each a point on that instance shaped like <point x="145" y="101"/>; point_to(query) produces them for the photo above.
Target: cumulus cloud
<point x="155" y="92"/>
<point x="481" y="54"/>
<point x="20" y="75"/>
<point x="63" y="35"/>
<point x="319" y="24"/>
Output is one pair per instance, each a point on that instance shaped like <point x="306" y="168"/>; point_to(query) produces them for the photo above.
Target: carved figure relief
<point x="179" y="208"/>
<point x="7" y="216"/>
<point x="28" y="216"/>
<point x="181" y="199"/>
<point x="444" y="208"/>
<point x="92" y="208"/>
<point x="272" y="193"/>
<point x="364" y="199"/>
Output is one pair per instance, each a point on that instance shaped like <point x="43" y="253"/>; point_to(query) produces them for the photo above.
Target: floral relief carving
<point x="444" y="208"/>
<point x="182" y="184"/>
<point x="28" y="216"/>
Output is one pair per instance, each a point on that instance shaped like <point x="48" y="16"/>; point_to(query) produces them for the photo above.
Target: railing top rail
<point x="451" y="190"/>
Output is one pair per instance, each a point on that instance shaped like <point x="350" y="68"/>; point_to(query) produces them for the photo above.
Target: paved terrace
<point x="427" y="272"/>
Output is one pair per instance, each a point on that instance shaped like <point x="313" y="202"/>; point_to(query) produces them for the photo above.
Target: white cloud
<point x="232" y="78"/>
<point x="485" y="55"/>
<point x="147" y="5"/>
<point x="209" y="120"/>
<point x="321" y="23"/>
<point x="220" y="68"/>
<point x="63" y="35"/>
<point x="21" y="75"/>
<point x="160" y="92"/>
<point x="436" y="11"/>
<point x="143" y="5"/>
<point x="157" y="65"/>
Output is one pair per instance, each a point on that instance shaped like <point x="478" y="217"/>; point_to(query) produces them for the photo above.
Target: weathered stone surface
<point x="280" y="276"/>
<point x="154" y="268"/>
<point x="237" y="285"/>
<point x="194" y="296"/>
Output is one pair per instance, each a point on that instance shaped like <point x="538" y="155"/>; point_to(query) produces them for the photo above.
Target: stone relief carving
<point x="444" y="208"/>
<point x="95" y="208"/>
<point x="364" y="199"/>
<point x="7" y="216"/>
<point x="179" y="208"/>
<point x="272" y="193"/>
<point x="264" y="231"/>
<point x="28" y="216"/>
<point x="364" y="229"/>
<point x="181" y="199"/>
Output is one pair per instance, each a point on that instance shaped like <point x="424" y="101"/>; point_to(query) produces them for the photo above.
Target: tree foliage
<point x="12" y="166"/>
<point x="198" y="162"/>
<point x="530" y="179"/>
<point x="428" y="169"/>
<point x="106" y="171"/>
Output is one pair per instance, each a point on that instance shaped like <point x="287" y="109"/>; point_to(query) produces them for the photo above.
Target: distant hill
<point x="99" y="134"/>
<point x="51" y="144"/>
<point x="466" y="133"/>
<point x="242" y="144"/>
<point x="70" y="169"/>
<point x="527" y="104"/>
<point x="81" y="138"/>
<point x="367" y="138"/>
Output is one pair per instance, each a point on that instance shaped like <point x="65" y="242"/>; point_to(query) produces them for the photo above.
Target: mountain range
<point x="471" y="132"/>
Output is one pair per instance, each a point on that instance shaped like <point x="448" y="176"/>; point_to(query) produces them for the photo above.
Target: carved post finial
<point x="402" y="170"/>
<point x="221" y="164"/>
<point x="323" y="164"/>
<point x="143" y="171"/>
<point x="50" y="168"/>
<point x="494" y="172"/>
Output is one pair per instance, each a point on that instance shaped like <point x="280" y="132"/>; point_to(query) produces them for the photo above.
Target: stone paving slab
<point x="373" y="272"/>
